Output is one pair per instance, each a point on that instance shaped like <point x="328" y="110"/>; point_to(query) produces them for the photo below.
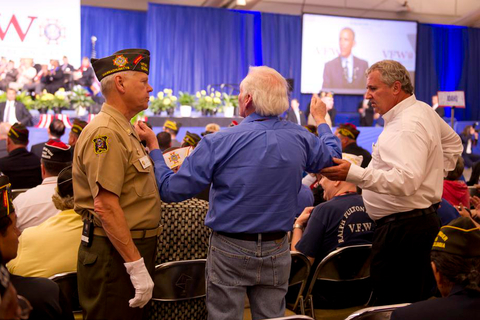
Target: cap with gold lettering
<point x="461" y="237"/>
<point x="78" y="126"/>
<point x="191" y="139"/>
<point x="172" y="125"/>
<point x="6" y="206"/>
<point x="123" y="60"/>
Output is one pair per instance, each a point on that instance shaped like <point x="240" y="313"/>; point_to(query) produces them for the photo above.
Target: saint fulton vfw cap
<point x="123" y="60"/>
<point x="57" y="151"/>
<point x="461" y="237"/>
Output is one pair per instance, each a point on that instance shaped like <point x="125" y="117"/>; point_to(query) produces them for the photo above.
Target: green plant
<point x="185" y="99"/>
<point x="26" y="99"/>
<point x="79" y="97"/>
<point x="165" y="100"/>
<point x="43" y="100"/>
<point x="210" y="102"/>
<point x="230" y="100"/>
<point x="3" y="97"/>
<point x="60" y="99"/>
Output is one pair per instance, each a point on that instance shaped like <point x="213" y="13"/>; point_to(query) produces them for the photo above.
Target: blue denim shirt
<point x="255" y="169"/>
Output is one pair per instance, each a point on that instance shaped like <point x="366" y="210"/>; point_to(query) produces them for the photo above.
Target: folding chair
<point x="16" y="192"/>
<point x="296" y="317"/>
<point x="375" y="313"/>
<point x="299" y="272"/>
<point x="341" y="280"/>
<point x="67" y="282"/>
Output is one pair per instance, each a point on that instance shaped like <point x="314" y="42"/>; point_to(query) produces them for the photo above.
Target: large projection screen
<point x="336" y="51"/>
<point x="41" y="30"/>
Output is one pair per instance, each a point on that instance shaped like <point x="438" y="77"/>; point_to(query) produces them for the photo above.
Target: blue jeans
<point x="238" y="267"/>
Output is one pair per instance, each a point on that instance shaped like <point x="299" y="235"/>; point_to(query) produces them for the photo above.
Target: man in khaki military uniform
<point x="116" y="194"/>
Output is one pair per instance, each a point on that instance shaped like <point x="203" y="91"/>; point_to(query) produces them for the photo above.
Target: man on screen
<point x="345" y="71"/>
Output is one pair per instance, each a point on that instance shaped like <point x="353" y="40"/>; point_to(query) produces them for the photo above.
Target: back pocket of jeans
<point x="281" y="267"/>
<point x="227" y="268"/>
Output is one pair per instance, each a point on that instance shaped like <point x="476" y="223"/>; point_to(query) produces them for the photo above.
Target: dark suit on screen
<point x="334" y="75"/>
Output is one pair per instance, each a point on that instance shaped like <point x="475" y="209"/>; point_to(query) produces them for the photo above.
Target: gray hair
<point x="108" y="83"/>
<point x="392" y="71"/>
<point x="269" y="90"/>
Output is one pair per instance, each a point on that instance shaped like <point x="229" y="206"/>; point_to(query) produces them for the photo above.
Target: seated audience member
<point x="13" y="111"/>
<point x="9" y="74"/>
<point x="340" y="221"/>
<point x="305" y="199"/>
<point x="211" y="128"/>
<point x="455" y="260"/>
<point x="294" y="114"/>
<point x="77" y="128"/>
<point x="446" y="212"/>
<point x="21" y="166"/>
<point x="456" y="191"/>
<point x="84" y="76"/>
<point x="172" y="127"/>
<point x="327" y="98"/>
<point x="26" y="74"/>
<point x="35" y="205"/>
<point x="469" y="138"/>
<point x="164" y="140"/>
<point x="366" y="112"/>
<point x="43" y="294"/>
<point x="4" y="128"/>
<point x="66" y="66"/>
<point x="37" y="85"/>
<point x="190" y="140"/>
<point x="54" y="78"/>
<point x="348" y="134"/>
<point x="56" y="129"/>
<point x="57" y="238"/>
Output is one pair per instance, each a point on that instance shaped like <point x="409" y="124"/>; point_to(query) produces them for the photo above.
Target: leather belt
<point x="136" y="234"/>
<point x="407" y="215"/>
<point x="270" y="236"/>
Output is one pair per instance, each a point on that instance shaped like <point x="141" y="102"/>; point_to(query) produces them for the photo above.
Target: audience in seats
<point x="35" y="205"/>
<point x="37" y="86"/>
<point x="211" y="128"/>
<point x="84" y="76"/>
<point x="44" y="295"/>
<point x="190" y="140"/>
<point x="26" y="74"/>
<point x="56" y="129"/>
<point x="66" y="66"/>
<point x="172" y="127"/>
<point x="455" y="191"/>
<point x="340" y="221"/>
<point x="164" y="140"/>
<point x="348" y="134"/>
<point x="51" y="247"/>
<point x="12" y="111"/>
<point x="455" y="260"/>
<point x="294" y="114"/>
<point x="21" y="166"/>
<point x="54" y="78"/>
<point x="77" y="128"/>
<point x="9" y="74"/>
<point x="4" y="128"/>
<point x="469" y="138"/>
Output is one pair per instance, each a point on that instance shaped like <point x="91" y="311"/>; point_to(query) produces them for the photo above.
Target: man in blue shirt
<point x="255" y="169"/>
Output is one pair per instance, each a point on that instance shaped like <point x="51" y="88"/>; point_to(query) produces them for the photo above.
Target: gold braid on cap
<point x="189" y="140"/>
<point x="14" y="132"/>
<point x="346" y="133"/>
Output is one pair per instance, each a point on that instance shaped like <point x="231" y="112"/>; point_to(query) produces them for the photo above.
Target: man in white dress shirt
<point x="35" y="205"/>
<point x="402" y="185"/>
<point x="12" y="111"/>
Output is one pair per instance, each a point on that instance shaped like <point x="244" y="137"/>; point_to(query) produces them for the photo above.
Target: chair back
<point x="16" y="192"/>
<point x="179" y="280"/>
<point x="342" y="278"/>
<point x="375" y="313"/>
<point x="67" y="282"/>
<point x="295" y="317"/>
<point x="299" y="271"/>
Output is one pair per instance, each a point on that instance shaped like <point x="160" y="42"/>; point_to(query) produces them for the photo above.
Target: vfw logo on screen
<point x="41" y="30"/>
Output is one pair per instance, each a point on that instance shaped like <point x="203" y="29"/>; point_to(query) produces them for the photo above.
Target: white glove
<point x="142" y="282"/>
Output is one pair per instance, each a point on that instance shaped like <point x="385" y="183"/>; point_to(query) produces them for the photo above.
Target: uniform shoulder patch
<point x="100" y="144"/>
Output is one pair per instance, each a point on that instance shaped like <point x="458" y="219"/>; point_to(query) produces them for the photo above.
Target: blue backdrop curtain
<point x="195" y="47"/>
<point x="115" y="30"/>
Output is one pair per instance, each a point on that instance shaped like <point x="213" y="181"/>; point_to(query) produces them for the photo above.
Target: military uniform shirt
<point x="109" y="154"/>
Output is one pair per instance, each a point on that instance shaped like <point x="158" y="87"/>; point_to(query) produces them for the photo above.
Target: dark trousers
<point x="401" y="271"/>
<point x="104" y="285"/>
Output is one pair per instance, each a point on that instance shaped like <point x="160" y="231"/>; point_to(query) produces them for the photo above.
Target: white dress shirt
<point x="35" y="205"/>
<point x="409" y="161"/>
<point x="9" y="114"/>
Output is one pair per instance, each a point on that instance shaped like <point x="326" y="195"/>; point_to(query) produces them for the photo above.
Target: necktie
<point x="345" y="71"/>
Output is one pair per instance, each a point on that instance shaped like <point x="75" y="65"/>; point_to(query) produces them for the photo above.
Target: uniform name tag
<point x="145" y="161"/>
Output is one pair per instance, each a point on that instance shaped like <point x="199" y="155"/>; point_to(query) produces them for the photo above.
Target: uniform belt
<point x="407" y="215"/>
<point x="270" y="236"/>
<point x="136" y="234"/>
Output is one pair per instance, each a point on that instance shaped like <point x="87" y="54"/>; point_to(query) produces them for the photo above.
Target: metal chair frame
<point x="299" y="277"/>
<point x="375" y="313"/>
<point x="71" y="279"/>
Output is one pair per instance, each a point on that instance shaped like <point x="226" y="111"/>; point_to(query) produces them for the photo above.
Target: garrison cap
<point x="57" y="151"/>
<point x="348" y="130"/>
<point x="172" y="125"/>
<point x="461" y="237"/>
<point x="123" y="60"/>
<point x="64" y="182"/>
<point x="191" y="139"/>
<point x="78" y="126"/>
<point x="6" y="206"/>
<point x="18" y="133"/>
